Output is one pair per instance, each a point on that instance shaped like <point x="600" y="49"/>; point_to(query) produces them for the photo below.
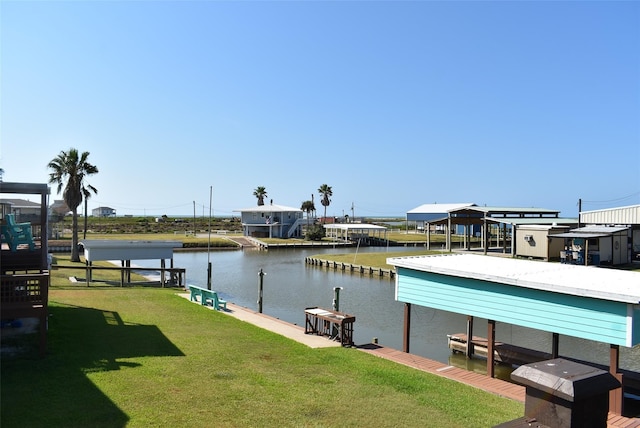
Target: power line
<point x="632" y="195"/>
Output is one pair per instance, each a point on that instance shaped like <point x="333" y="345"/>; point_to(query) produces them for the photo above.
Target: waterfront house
<point x="103" y="212"/>
<point x="272" y="221"/>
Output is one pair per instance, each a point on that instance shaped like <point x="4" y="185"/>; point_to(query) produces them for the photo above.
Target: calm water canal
<point x="290" y="285"/>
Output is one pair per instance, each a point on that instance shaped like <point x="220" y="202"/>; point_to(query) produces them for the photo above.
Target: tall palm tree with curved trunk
<point x="326" y="193"/>
<point x="69" y="170"/>
<point x="260" y="192"/>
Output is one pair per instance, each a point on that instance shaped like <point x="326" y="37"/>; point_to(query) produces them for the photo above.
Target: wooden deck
<point x="477" y="380"/>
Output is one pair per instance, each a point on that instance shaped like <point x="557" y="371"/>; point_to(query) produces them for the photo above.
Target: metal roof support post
<point x="469" y="344"/>
<point x="504" y="238"/>
<point x="586" y="251"/>
<point x="448" y="240"/>
<point x="491" y="342"/>
<point x="485" y="236"/>
<point x="407" y="328"/>
<point x="555" y="345"/>
<point x="428" y="236"/>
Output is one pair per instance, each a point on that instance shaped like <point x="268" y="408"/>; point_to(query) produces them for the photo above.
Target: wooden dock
<point x="517" y="355"/>
<point x="351" y="268"/>
<point x="503" y="352"/>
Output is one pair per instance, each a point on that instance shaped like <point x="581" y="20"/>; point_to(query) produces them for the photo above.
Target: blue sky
<point x="392" y="104"/>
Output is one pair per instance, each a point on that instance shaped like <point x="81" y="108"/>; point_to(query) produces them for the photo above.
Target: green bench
<point x="207" y="296"/>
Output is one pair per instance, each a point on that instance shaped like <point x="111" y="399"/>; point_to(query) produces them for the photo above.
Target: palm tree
<point x="69" y="170"/>
<point x="326" y="192"/>
<point x="308" y="207"/>
<point x="260" y="193"/>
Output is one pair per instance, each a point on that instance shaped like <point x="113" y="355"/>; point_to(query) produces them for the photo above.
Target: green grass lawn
<point x="142" y="356"/>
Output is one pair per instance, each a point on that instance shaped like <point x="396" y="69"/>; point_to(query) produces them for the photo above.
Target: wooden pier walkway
<point x="350" y="267"/>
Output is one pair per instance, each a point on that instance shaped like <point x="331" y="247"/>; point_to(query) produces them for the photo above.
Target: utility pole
<point x="579" y="211"/>
<point x="209" y="241"/>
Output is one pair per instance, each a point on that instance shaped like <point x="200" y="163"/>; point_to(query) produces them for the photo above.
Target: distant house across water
<point x="272" y="221"/>
<point x="103" y="212"/>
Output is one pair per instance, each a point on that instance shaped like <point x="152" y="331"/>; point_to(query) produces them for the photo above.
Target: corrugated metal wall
<point x="622" y="215"/>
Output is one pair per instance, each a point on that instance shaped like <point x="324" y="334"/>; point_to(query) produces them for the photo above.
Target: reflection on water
<point x="479" y="365"/>
<point x="290" y="286"/>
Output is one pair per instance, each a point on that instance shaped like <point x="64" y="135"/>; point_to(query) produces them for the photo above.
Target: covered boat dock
<point x="601" y="305"/>
<point x="125" y="251"/>
<point x="497" y="222"/>
<point x="355" y="232"/>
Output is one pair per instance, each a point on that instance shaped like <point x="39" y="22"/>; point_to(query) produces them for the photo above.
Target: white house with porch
<point x="272" y="221"/>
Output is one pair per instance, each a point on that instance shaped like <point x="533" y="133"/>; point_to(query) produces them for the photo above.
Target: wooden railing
<point x="26" y="296"/>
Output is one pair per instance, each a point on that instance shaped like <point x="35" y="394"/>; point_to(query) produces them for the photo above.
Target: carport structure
<point x="504" y="217"/>
<point x="601" y="305"/>
<point x="125" y="251"/>
<point x="355" y="231"/>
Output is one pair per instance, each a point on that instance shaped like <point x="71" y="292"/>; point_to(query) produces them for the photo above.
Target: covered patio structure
<point x="593" y="245"/>
<point x="355" y="232"/>
<point x="601" y="305"/>
<point x="125" y="251"/>
<point x="495" y="223"/>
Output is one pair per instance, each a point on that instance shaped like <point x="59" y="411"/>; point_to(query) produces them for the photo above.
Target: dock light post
<point x="261" y="274"/>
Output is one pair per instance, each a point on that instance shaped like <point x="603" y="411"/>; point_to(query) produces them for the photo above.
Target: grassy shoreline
<point x="142" y="356"/>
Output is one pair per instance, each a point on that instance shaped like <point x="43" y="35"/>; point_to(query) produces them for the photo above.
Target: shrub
<point x="315" y="233"/>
